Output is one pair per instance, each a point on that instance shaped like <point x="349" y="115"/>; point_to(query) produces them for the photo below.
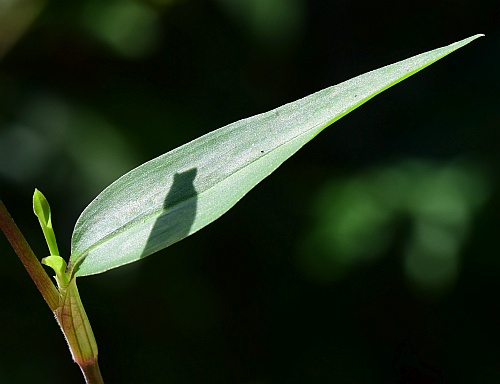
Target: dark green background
<point x="320" y="274"/>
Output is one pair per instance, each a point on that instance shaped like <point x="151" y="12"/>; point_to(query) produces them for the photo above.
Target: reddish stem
<point x="42" y="281"/>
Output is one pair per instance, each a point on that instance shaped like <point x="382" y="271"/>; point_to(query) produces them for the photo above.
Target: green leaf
<point x="180" y="192"/>
<point x="41" y="208"/>
<point x="58" y="264"/>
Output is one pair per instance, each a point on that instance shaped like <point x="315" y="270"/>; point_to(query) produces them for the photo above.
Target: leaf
<point x="58" y="264"/>
<point x="41" y="208"/>
<point x="170" y="197"/>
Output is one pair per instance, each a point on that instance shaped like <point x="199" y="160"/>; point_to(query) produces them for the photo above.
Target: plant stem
<point x="76" y="328"/>
<point x="92" y="374"/>
<point x="42" y="281"/>
<point x="66" y="305"/>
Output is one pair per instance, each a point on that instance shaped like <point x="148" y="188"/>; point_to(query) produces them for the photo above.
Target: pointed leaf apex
<point x="41" y="207"/>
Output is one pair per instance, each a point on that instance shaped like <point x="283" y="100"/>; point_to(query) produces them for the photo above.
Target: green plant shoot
<point x="41" y="208"/>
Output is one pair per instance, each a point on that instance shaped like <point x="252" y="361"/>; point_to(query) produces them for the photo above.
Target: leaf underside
<point x="174" y="195"/>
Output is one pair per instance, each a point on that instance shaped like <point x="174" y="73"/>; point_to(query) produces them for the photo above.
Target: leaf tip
<point x="37" y="194"/>
<point x="476" y="36"/>
<point x="41" y="206"/>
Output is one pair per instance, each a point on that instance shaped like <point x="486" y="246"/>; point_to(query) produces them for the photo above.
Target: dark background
<point x="369" y="257"/>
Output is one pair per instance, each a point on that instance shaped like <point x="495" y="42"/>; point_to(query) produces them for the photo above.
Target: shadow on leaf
<point x="179" y="213"/>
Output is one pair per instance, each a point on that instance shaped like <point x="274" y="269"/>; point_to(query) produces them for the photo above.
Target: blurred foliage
<point x="369" y="257"/>
<point x="129" y="28"/>
<point x="357" y="220"/>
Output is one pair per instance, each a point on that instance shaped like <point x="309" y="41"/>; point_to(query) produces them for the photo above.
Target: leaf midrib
<point x="155" y="214"/>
